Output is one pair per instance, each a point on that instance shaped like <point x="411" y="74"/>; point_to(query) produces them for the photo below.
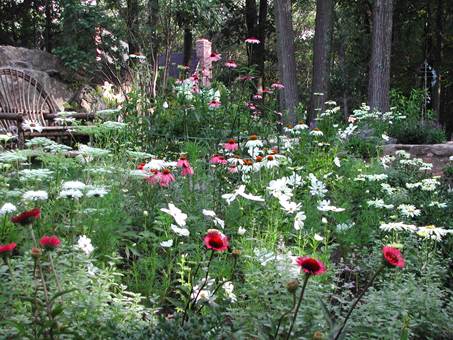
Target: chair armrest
<point x="11" y="116"/>
<point x="82" y="115"/>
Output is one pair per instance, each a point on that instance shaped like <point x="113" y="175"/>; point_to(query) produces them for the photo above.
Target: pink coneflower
<point x="266" y="90"/>
<point x="257" y="96"/>
<point x="183" y="162"/>
<point x="7" y="249"/>
<point x="310" y="265"/>
<point x="166" y="178"/>
<point x="233" y="169"/>
<point x="215" y="240"/>
<point x="27" y="217"/>
<point x="231" y="64"/>
<point x="252" y="40"/>
<point x="277" y="86"/>
<point x="231" y="145"/>
<point x="194" y="77"/>
<point x="217" y="159"/>
<point x="245" y="77"/>
<point x="154" y="178"/>
<point x="251" y="106"/>
<point x="185" y="165"/>
<point x="214" y="104"/>
<point x="393" y="257"/>
<point x="50" y="242"/>
<point x="215" y="57"/>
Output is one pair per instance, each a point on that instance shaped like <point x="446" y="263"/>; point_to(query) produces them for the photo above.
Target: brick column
<point x="203" y="47"/>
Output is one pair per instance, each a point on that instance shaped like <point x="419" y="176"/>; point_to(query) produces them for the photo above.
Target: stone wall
<point x="438" y="154"/>
<point x="44" y="67"/>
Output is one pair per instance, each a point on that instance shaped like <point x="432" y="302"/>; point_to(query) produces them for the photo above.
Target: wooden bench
<point x="25" y="102"/>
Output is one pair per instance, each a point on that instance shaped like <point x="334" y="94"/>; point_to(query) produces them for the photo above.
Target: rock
<point x="44" y="67"/>
<point x="437" y="154"/>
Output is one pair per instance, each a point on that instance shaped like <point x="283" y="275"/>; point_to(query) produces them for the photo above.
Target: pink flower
<point x="154" y="178"/>
<point x="214" y="104"/>
<point x="231" y="145"/>
<point x="352" y="119"/>
<point x="393" y="257"/>
<point x="7" y="249"/>
<point x="252" y="40"/>
<point x="215" y="57"/>
<point x="50" y="242"/>
<point x="215" y="240"/>
<point x="166" y="178"/>
<point x="27" y="217"/>
<point x="257" y="96"/>
<point x="187" y="171"/>
<point x="231" y="64"/>
<point x="217" y="159"/>
<point x="310" y="265"/>
<point x="183" y="162"/>
<point x="245" y="77"/>
<point x="233" y="169"/>
<point x="251" y="106"/>
<point x="277" y="86"/>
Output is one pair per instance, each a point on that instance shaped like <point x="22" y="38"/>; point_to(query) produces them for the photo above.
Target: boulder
<point x="438" y="154"/>
<point x="44" y="67"/>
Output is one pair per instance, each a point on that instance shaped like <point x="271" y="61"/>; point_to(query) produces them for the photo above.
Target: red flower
<point x="6" y="249"/>
<point x="393" y="257"/>
<point x="215" y="240"/>
<point x="27" y="217"/>
<point x="141" y="166"/>
<point x="310" y="265"/>
<point x="50" y="242"/>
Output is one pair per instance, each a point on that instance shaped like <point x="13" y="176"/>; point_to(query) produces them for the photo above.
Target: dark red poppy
<point x="215" y="240"/>
<point x="50" y="242"/>
<point x="6" y="249"/>
<point x="310" y="265"/>
<point x="393" y="257"/>
<point x="27" y="217"/>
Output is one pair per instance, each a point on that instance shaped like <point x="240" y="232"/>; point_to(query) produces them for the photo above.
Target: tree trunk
<point x="256" y="27"/>
<point x="153" y="21"/>
<point x="381" y="46"/>
<point x="321" y="57"/>
<point x="48" y="28"/>
<point x="286" y="60"/>
<point x="188" y="42"/>
<point x="132" y="26"/>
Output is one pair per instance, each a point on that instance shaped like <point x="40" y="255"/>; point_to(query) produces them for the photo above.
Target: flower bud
<point x="318" y="336"/>
<point x="292" y="285"/>
<point x="236" y="252"/>
<point x="36" y="252"/>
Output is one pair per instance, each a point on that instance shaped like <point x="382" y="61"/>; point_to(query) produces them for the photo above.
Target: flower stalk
<point x="304" y="285"/>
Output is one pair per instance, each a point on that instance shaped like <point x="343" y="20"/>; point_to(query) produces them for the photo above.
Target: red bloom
<point x="6" y="249"/>
<point x="231" y="145"/>
<point x="27" y="217"/>
<point x="140" y="166"/>
<point x="50" y="242"/>
<point x="310" y="265"/>
<point x="217" y="159"/>
<point x="165" y="178"/>
<point x="393" y="257"/>
<point x="215" y="240"/>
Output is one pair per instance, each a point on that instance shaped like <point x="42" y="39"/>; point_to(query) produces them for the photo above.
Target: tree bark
<point x="188" y="42"/>
<point x="289" y="97"/>
<point x="132" y="26"/>
<point x="256" y="27"/>
<point x="321" y="57"/>
<point x="381" y="46"/>
<point x="153" y="21"/>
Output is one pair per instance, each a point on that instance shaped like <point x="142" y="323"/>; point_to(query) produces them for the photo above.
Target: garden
<point x="209" y="209"/>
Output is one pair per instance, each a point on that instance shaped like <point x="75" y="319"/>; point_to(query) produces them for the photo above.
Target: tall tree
<point x="381" y="47"/>
<point x="289" y="97"/>
<point x="321" y="57"/>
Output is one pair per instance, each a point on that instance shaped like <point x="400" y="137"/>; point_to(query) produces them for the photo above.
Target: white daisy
<point x="177" y="214"/>
<point x="38" y="195"/>
<point x="7" y="208"/>
<point x="167" y="244"/>
<point x="180" y="231"/>
<point x="84" y="244"/>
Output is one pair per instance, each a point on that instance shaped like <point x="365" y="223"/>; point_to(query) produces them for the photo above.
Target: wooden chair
<point x="22" y="99"/>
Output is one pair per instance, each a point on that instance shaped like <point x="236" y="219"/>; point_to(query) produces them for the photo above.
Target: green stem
<point x="57" y="281"/>
<point x="357" y="301"/>
<point x="307" y="276"/>
<point x="32" y="233"/>
<point x="284" y="315"/>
